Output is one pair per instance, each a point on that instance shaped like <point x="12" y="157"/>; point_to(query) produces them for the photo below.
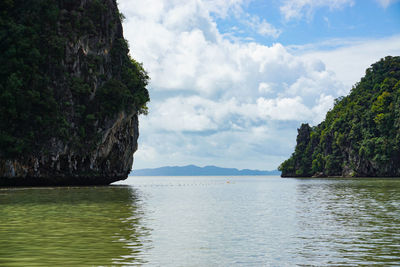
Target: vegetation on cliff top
<point x="34" y="35"/>
<point x="360" y="136"/>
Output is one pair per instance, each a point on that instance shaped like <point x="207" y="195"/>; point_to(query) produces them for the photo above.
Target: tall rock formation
<point x="70" y="94"/>
<point x="360" y="136"/>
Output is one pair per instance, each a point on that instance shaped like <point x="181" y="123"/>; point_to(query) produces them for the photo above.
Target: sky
<point x="233" y="80"/>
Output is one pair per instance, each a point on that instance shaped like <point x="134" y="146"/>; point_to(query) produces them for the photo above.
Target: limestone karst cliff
<point x="70" y="94"/>
<point x="360" y="136"/>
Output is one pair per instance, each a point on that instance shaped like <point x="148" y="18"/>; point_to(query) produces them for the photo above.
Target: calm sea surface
<point x="204" y="221"/>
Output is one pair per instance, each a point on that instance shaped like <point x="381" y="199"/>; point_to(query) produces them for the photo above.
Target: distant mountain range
<point x="193" y="170"/>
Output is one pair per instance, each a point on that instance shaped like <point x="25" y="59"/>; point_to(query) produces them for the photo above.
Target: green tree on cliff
<point x="34" y="35"/>
<point x="360" y="135"/>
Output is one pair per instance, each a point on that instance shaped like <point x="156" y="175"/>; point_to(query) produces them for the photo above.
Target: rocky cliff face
<point x="82" y="95"/>
<point x="360" y="136"/>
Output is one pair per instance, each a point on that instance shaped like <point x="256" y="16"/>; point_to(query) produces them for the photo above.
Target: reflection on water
<point x="70" y="226"/>
<point x="204" y="221"/>
<point x="269" y="221"/>
<point x="357" y="221"/>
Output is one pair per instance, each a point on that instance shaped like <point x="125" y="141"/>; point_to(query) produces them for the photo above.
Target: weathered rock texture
<point x="99" y="92"/>
<point x="110" y="161"/>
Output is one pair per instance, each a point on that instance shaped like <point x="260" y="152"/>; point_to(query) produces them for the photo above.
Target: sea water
<point x="204" y="221"/>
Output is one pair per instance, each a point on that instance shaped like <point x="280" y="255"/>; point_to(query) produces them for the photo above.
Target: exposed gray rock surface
<point x="98" y="149"/>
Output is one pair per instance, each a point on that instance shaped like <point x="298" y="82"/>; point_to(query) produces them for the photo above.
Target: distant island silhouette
<point x="193" y="170"/>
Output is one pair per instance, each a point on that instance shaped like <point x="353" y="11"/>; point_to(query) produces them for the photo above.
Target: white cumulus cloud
<point x="350" y="60"/>
<point x="220" y="101"/>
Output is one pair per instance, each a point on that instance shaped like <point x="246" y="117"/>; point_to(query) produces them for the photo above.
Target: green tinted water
<point x="70" y="226"/>
<point x="204" y="221"/>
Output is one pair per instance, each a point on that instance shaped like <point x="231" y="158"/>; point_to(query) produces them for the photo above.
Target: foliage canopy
<point x="35" y="105"/>
<point x="360" y="136"/>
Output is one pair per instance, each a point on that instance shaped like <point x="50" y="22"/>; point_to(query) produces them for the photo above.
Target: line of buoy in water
<point x="161" y="185"/>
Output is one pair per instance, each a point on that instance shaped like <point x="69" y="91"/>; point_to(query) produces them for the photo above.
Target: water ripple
<point x="204" y="221"/>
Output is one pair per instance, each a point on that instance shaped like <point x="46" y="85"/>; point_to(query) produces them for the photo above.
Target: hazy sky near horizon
<point x="232" y="80"/>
